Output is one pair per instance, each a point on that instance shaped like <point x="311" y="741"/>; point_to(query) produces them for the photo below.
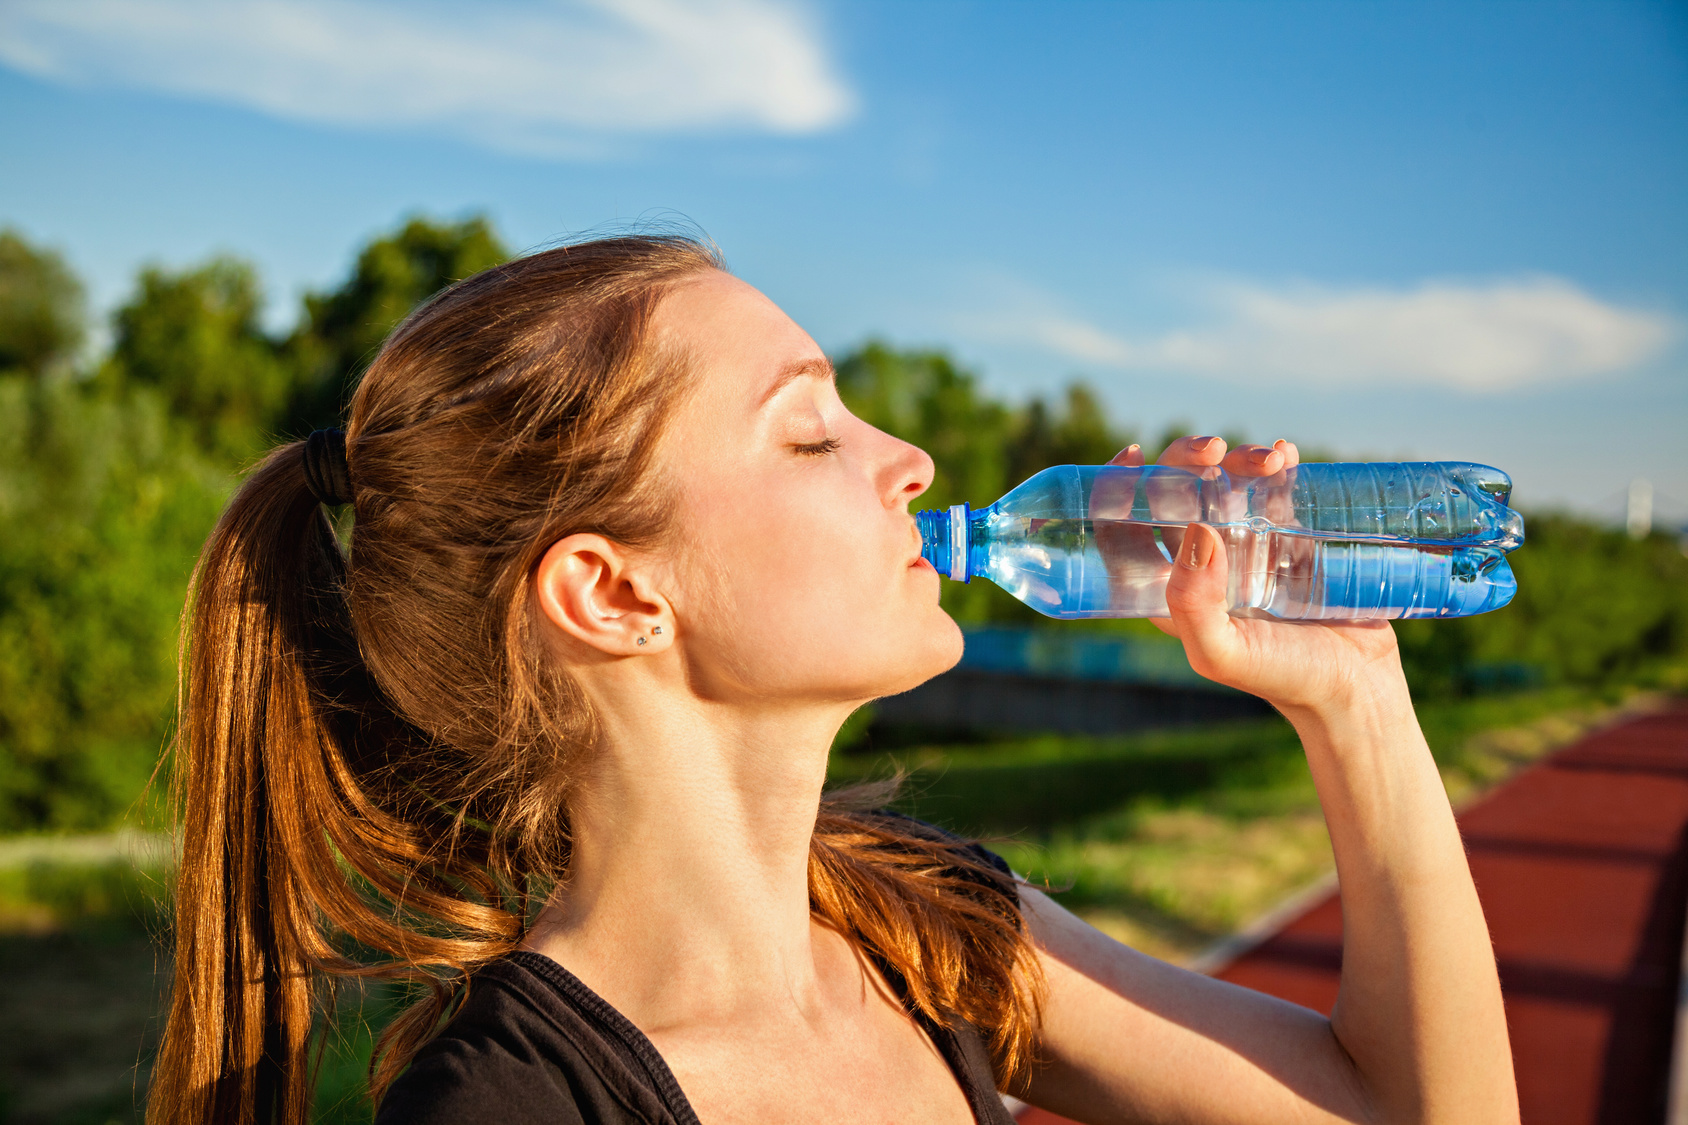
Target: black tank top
<point x="533" y="1044"/>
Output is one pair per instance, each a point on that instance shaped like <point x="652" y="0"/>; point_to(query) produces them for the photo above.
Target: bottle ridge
<point x="1315" y="542"/>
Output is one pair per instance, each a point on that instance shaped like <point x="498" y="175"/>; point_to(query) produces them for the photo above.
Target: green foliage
<point x="103" y="505"/>
<point x="1594" y="607"/>
<point x="196" y="337"/>
<point x="924" y="398"/>
<point x="1078" y="435"/>
<point x="110" y="484"/>
<point x="113" y="897"/>
<point x="1038" y="783"/>
<point x="41" y="308"/>
<point x="341" y="331"/>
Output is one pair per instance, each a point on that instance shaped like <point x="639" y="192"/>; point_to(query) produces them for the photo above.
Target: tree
<point x="196" y="337"/>
<point x="341" y="331"/>
<point x="104" y="500"/>
<point x="42" y="322"/>
<point x="1594" y="607"/>
<point x="1079" y="435"/>
<point x="108" y="486"/>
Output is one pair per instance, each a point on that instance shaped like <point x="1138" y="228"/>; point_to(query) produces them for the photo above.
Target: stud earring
<point x="656" y="630"/>
<point x="641" y="640"/>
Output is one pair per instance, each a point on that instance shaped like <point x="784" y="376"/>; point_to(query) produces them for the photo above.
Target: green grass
<point x="112" y="897"/>
<point x="1035" y="784"/>
<point x="1173" y="839"/>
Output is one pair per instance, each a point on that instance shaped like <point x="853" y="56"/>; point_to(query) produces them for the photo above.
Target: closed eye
<point x="818" y="448"/>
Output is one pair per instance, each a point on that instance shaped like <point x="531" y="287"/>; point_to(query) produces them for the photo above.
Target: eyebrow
<point x="813" y="368"/>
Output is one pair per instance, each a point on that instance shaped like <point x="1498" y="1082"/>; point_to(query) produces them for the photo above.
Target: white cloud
<point x="529" y="75"/>
<point x="1480" y="337"/>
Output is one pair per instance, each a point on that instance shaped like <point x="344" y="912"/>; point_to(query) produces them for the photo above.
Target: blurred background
<point x="1027" y="234"/>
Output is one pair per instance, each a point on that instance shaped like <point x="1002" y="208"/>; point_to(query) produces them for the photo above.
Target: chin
<point x="872" y="659"/>
<point x="933" y="651"/>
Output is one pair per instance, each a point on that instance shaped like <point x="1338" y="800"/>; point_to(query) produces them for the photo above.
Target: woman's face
<point x="797" y="570"/>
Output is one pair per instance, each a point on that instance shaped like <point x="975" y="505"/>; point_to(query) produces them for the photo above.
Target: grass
<point x="82" y="981"/>
<point x="1172" y="840"/>
<point x="84" y="975"/>
<point x="1169" y="840"/>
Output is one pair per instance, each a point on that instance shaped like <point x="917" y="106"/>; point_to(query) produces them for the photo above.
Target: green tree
<point x="108" y="487"/>
<point x="1594" y="608"/>
<point x="1080" y="434"/>
<point x="196" y="336"/>
<point x="104" y="501"/>
<point x="924" y="398"/>
<point x="42" y="319"/>
<point x="341" y="331"/>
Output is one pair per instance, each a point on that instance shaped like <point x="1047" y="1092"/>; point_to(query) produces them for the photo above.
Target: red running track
<point x="1581" y="862"/>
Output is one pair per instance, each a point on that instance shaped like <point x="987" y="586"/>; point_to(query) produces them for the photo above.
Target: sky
<point x="1393" y="230"/>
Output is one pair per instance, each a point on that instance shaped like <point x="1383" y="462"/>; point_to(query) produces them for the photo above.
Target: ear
<point x="595" y="592"/>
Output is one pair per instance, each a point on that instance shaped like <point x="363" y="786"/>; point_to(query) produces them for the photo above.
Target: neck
<point x="688" y="889"/>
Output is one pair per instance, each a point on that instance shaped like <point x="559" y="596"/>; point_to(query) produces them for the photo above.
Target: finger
<point x="1196" y="597"/>
<point x="1165" y="625"/>
<point x="1193" y="452"/>
<point x="1254" y="461"/>
<point x="1292" y="455"/>
<point x="1131" y="456"/>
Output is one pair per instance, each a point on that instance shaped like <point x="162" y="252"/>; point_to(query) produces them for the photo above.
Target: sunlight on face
<point x="798" y="572"/>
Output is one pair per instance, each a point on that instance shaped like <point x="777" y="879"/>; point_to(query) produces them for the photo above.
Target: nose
<point x="908" y="472"/>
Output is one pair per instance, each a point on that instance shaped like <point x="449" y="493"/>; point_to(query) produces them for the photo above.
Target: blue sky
<point x="1392" y="229"/>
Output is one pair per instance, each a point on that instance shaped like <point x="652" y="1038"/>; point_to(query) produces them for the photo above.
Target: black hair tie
<point x="326" y="474"/>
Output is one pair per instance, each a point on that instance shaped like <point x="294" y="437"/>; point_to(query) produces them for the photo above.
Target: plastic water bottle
<point x="1314" y="542"/>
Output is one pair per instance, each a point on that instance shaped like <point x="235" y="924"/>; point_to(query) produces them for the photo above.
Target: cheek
<point x="810" y="598"/>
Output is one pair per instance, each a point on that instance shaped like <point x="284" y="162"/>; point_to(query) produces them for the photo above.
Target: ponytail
<point x="280" y="757"/>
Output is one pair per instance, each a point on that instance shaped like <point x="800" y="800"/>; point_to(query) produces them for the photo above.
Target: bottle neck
<point x="944" y="541"/>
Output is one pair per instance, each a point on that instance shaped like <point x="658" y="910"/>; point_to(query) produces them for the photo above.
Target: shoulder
<point x="498" y="1060"/>
<point x="517" y="1052"/>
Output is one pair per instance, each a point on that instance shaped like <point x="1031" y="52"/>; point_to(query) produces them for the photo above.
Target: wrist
<point x="1357" y="701"/>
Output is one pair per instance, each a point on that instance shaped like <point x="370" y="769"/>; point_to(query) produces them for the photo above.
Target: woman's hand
<point x="1291" y="665"/>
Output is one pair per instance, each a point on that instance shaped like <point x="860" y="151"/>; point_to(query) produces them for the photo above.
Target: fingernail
<point x="1198" y="551"/>
<point x="1259" y="456"/>
<point x="1279" y="442"/>
<point x="1200" y="444"/>
<point x="1133" y="447"/>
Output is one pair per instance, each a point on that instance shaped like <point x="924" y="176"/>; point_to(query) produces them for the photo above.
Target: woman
<point x="622" y="563"/>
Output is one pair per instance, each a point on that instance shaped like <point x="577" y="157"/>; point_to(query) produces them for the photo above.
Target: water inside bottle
<point x="1075" y="568"/>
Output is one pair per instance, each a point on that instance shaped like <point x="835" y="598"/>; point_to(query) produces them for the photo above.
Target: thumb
<point x="1196" y="596"/>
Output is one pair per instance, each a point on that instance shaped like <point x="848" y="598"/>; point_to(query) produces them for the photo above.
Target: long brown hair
<point x="374" y="759"/>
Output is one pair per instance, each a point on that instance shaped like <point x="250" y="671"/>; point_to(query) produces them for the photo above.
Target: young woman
<point x="550" y="745"/>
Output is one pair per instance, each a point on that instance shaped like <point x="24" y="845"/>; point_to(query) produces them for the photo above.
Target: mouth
<point x="919" y="547"/>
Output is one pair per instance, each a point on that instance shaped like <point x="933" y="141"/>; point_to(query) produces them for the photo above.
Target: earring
<point x="641" y="640"/>
<point x="656" y="630"/>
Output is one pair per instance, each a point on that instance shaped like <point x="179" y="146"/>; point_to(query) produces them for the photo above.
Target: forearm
<point x="1419" y="1009"/>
